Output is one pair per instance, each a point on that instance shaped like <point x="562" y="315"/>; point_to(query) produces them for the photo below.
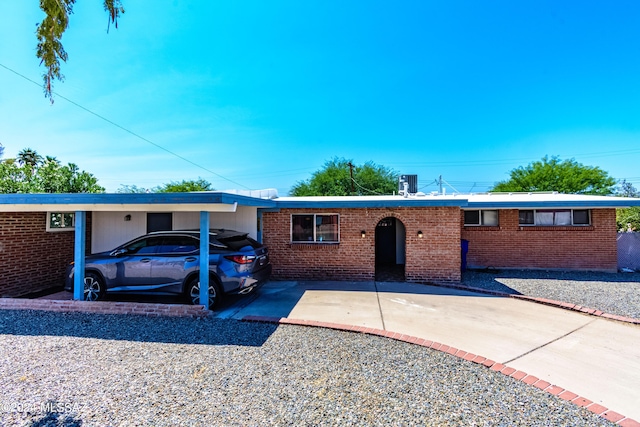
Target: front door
<point x="390" y="250"/>
<point x="159" y="221"/>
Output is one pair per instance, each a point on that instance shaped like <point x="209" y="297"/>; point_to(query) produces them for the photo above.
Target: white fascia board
<point x="181" y="207"/>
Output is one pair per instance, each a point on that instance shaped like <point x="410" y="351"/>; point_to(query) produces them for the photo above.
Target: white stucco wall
<point x="109" y="229"/>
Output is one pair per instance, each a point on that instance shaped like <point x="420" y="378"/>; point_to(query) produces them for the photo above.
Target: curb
<point x="555" y="390"/>
<point x="544" y="301"/>
<point x="105" y="307"/>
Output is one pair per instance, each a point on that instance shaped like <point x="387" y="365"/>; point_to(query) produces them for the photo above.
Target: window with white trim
<point x="315" y="228"/>
<point x="481" y="217"/>
<point x="61" y="221"/>
<point x="557" y="217"/>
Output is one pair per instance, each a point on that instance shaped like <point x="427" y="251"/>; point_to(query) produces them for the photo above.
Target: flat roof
<point x="227" y="201"/>
<point x="370" y="201"/>
<point x="547" y="200"/>
<point x="464" y="201"/>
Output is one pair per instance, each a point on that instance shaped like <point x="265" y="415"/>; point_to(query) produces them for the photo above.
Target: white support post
<point x="204" y="259"/>
<point x="78" y="255"/>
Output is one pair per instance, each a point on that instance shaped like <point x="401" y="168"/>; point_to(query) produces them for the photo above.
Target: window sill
<point x="482" y="228"/>
<point x="314" y="245"/>
<point x="60" y="230"/>
<point x="556" y="228"/>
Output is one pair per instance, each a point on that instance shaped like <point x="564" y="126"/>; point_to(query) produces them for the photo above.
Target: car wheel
<point x="93" y="287"/>
<point x="193" y="292"/>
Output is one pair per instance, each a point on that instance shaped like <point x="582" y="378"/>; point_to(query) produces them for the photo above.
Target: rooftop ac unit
<point x="411" y="182"/>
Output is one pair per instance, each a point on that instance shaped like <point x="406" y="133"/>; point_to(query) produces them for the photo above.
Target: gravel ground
<point x="614" y="293"/>
<point x="99" y="370"/>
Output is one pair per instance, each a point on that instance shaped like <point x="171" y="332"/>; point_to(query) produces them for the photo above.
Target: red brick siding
<point x="435" y="257"/>
<point x="572" y="248"/>
<point x="32" y="259"/>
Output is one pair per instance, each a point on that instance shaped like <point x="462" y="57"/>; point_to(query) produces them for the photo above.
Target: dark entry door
<point x="159" y="221"/>
<point x="386" y="241"/>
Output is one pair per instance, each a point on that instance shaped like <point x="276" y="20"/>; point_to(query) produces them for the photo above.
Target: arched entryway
<point x="390" y="250"/>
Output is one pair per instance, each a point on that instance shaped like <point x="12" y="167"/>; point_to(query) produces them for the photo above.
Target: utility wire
<point x="127" y="130"/>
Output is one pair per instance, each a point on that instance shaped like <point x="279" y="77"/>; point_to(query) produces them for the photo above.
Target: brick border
<point x="544" y="301"/>
<point x="105" y="307"/>
<point x="555" y="390"/>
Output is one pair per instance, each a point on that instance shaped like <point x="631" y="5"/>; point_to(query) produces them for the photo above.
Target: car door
<point x="176" y="257"/>
<point x="134" y="265"/>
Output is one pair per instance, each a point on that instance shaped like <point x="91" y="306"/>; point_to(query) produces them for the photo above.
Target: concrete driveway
<point x="590" y="356"/>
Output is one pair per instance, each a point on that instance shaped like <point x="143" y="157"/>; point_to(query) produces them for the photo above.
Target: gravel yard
<point x="614" y="293"/>
<point x="99" y="370"/>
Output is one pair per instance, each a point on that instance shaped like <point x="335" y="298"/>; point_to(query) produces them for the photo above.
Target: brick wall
<point x="435" y="257"/>
<point x="572" y="248"/>
<point x="32" y="259"/>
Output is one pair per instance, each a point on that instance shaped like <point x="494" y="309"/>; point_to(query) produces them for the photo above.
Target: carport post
<point x="204" y="259"/>
<point x="78" y="255"/>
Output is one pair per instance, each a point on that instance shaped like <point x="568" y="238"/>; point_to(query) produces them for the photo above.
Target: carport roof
<point x="212" y="201"/>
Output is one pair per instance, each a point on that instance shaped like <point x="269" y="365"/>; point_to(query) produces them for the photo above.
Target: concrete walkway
<point x="593" y="357"/>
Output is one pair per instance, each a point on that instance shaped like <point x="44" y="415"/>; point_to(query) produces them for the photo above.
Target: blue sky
<point x="254" y="94"/>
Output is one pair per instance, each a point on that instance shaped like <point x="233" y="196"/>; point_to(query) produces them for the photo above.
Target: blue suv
<point x="168" y="262"/>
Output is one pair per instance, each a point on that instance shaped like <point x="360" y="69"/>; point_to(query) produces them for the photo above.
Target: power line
<point x="127" y="130"/>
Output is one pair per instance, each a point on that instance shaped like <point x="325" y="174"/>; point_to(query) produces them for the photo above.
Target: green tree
<point x="628" y="219"/>
<point x="134" y="189"/>
<point x="334" y="179"/>
<point x="185" y="186"/>
<point x="29" y="157"/>
<point x="49" y="33"/>
<point x="552" y="174"/>
<point x="33" y="174"/>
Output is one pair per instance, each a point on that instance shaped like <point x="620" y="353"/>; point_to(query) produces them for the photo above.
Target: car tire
<point x="93" y="287"/>
<point x="193" y="292"/>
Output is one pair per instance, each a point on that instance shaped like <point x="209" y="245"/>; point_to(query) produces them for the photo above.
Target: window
<point x="61" y="221"/>
<point x="178" y="244"/>
<point x="481" y="217"/>
<point x="144" y="246"/>
<point x="558" y="217"/>
<point x="314" y="228"/>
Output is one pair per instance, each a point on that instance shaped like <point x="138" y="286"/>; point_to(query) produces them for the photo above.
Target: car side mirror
<point x="119" y="252"/>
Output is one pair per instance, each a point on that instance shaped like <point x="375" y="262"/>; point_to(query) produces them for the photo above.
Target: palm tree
<point x="29" y="157"/>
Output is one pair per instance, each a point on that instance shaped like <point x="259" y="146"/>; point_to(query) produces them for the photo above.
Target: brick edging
<point x="555" y="390"/>
<point x="545" y="301"/>
<point x="105" y="307"/>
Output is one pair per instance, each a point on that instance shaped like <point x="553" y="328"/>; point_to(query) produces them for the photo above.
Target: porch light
<point x="363" y="234"/>
<point x="420" y="235"/>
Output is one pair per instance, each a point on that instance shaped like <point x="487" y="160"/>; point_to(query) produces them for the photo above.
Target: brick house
<point x="421" y="236"/>
<point x="417" y="237"/>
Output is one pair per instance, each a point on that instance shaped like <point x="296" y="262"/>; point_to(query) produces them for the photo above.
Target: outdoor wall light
<point x="420" y="234"/>
<point x="127" y="217"/>
<point x="363" y="234"/>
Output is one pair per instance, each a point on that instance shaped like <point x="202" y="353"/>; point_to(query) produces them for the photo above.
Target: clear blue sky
<point x="263" y="93"/>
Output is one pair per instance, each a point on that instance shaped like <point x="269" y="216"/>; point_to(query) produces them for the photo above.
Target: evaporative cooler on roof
<point x="412" y="182"/>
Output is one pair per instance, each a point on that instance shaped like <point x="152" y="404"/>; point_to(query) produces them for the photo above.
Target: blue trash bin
<point x="464" y="248"/>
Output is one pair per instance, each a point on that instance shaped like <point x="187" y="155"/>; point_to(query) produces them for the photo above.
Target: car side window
<point x="178" y="245"/>
<point x="144" y="246"/>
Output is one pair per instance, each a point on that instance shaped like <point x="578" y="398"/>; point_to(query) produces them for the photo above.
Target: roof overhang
<point x="149" y="202"/>
<point x="548" y="201"/>
<point x="361" y="202"/>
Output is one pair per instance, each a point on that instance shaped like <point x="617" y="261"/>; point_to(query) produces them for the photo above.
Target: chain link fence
<point x="629" y="251"/>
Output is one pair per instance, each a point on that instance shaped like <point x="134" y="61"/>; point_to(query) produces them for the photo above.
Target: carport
<point x="201" y="203"/>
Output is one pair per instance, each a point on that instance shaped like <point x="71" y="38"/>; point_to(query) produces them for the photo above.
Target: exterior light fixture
<point x="420" y="235"/>
<point x="127" y="217"/>
<point x="363" y="234"/>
